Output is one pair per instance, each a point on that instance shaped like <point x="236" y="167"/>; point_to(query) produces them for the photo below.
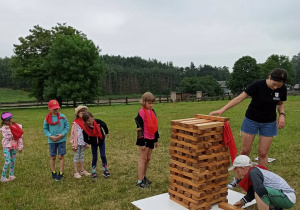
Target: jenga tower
<point x="199" y="162"/>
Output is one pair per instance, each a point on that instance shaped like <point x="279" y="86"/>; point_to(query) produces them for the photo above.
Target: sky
<point x="213" y="32"/>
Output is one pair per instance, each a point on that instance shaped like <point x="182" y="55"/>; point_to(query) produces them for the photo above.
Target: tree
<point x="245" y="71"/>
<point x="208" y="85"/>
<point x="73" y="69"/>
<point x="31" y="52"/>
<point x="296" y="66"/>
<point x="5" y="73"/>
<point x="279" y="61"/>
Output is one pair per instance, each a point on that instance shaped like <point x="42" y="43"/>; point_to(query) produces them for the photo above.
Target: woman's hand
<point x="217" y="112"/>
<point x="156" y="144"/>
<point x="281" y="121"/>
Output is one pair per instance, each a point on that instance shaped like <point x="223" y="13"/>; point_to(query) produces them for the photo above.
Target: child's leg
<point x="61" y="163"/>
<point x="61" y="152"/>
<point x="81" y="155"/>
<point x="6" y="161"/>
<point x="94" y="149"/>
<point x="13" y="154"/>
<point x="76" y="159"/>
<point x="142" y="162"/>
<point x="52" y="163"/>
<point x="102" y="154"/>
<point x="148" y="160"/>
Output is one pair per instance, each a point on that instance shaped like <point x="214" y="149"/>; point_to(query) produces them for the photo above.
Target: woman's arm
<point x="281" y="117"/>
<point x="231" y="104"/>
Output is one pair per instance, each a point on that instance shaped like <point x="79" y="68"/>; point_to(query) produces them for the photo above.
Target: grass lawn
<point x="10" y="95"/>
<point x="34" y="188"/>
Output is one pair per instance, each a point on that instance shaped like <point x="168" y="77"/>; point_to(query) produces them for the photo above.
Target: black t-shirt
<point x="264" y="101"/>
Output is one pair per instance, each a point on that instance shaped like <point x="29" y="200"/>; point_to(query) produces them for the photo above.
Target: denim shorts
<point x="57" y="147"/>
<point x="263" y="129"/>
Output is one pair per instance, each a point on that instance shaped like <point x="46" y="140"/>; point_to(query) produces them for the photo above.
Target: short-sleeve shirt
<point x="262" y="107"/>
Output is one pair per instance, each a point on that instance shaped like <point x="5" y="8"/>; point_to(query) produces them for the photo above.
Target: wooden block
<point x="227" y="206"/>
<point x="208" y="117"/>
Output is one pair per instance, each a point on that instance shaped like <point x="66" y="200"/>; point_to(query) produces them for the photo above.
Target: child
<point x="93" y="134"/>
<point x="270" y="190"/>
<point x="77" y="142"/>
<point x="147" y="136"/>
<point x="12" y="139"/>
<point x="56" y="127"/>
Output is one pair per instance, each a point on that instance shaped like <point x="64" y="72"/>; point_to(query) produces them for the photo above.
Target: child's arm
<point x="20" y="142"/>
<point x="46" y="129"/>
<point x="104" y="126"/>
<point x="73" y="138"/>
<point x="6" y="132"/>
<point x="65" y="131"/>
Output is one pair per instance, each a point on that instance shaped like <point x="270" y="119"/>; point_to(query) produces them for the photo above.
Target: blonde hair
<point x="147" y="97"/>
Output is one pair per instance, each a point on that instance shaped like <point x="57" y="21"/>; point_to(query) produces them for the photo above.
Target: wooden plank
<point x="227" y="206"/>
<point x="175" y="122"/>
<point x="208" y="125"/>
<point x="202" y="116"/>
<point x="190" y="123"/>
<point x="185" y="129"/>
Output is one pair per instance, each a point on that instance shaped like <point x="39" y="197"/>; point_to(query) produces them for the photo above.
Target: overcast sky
<point x="214" y="32"/>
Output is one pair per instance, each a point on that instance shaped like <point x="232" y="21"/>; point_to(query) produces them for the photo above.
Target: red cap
<point x="53" y="104"/>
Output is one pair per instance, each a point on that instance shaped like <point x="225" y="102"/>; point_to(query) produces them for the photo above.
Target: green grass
<point x="10" y="95"/>
<point x="34" y="188"/>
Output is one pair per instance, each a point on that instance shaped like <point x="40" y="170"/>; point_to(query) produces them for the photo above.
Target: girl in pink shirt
<point x="12" y="140"/>
<point x="147" y="136"/>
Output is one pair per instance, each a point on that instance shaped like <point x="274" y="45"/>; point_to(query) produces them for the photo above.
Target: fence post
<point x="159" y="99"/>
<point x="109" y="101"/>
<point x="167" y="99"/>
<point x="126" y="100"/>
<point x="98" y="101"/>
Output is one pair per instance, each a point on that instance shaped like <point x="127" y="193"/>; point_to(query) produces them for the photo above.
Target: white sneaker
<point x="233" y="183"/>
<point x="77" y="175"/>
<point x="11" y="178"/>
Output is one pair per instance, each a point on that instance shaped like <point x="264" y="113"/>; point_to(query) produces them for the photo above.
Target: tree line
<point x="63" y="63"/>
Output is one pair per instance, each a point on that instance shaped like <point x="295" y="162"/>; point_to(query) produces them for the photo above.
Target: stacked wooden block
<point x="199" y="162"/>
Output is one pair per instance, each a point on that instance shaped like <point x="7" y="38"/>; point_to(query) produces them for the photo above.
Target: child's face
<point x="90" y="121"/>
<point x="8" y="122"/>
<point x="148" y="105"/>
<point x="80" y="113"/>
<point x="54" y="111"/>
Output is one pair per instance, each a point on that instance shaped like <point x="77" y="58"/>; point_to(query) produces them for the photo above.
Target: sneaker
<point x="106" y="172"/>
<point x="147" y="181"/>
<point x="85" y="173"/>
<point x="77" y="175"/>
<point x="11" y="178"/>
<point x="233" y="183"/>
<point x="54" y="175"/>
<point x="141" y="185"/>
<point x="3" y="179"/>
<point x="59" y="176"/>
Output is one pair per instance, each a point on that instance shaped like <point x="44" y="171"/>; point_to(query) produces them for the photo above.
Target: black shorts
<point x="146" y="142"/>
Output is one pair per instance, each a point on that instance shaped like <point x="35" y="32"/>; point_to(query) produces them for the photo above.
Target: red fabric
<point x="229" y="141"/>
<point x="151" y="122"/>
<point x="49" y="119"/>
<point x="95" y="132"/>
<point x="16" y="131"/>
<point x="245" y="183"/>
<point x="79" y="122"/>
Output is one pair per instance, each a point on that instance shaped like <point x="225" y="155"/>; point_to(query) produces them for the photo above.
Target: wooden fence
<point x="69" y="103"/>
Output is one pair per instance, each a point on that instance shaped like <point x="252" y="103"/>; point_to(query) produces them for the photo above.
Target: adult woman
<point x="260" y="117"/>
